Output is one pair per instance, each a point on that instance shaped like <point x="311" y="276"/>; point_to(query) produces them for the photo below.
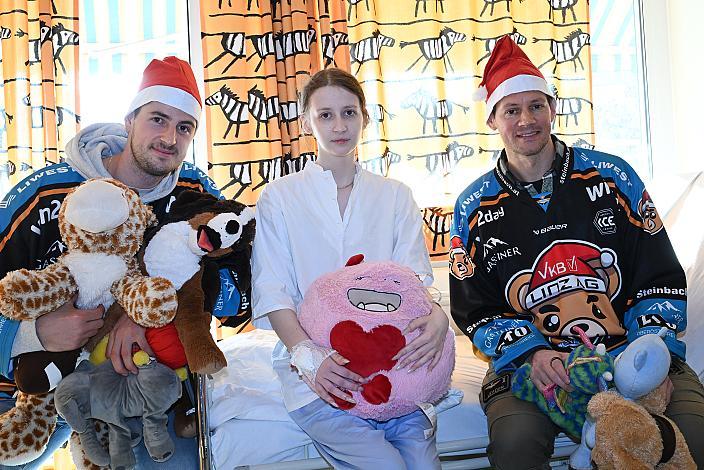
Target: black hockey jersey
<point x="596" y="256"/>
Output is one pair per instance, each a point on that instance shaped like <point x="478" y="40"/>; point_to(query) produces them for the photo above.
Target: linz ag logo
<point x="653" y="319"/>
<point x="604" y="222"/>
<point x="511" y="337"/>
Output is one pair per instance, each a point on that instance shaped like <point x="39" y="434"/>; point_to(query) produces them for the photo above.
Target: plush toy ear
<point x="191" y="198"/>
<point x="355" y="260"/>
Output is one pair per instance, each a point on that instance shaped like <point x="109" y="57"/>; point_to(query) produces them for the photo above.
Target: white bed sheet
<point x="249" y="424"/>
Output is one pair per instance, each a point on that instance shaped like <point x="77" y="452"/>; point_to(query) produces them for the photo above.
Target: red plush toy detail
<point x="166" y="345"/>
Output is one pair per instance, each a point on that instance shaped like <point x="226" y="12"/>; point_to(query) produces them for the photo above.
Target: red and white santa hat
<point x="566" y="267"/>
<point x="508" y="71"/>
<point x="169" y="81"/>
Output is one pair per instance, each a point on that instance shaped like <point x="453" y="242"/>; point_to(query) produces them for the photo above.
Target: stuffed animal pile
<point x="626" y="427"/>
<point x="200" y="234"/>
<point x="102" y="223"/>
<point x="361" y="312"/>
<point x="589" y="368"/>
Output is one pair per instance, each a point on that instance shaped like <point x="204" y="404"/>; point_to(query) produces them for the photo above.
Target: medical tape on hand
<point x="307" y="357"/>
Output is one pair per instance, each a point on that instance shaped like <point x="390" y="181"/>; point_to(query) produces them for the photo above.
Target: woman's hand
<point x="323" y="370"/>
<point x="427" y="347"/>
<point x="548" y="368"/>
<point x="333" y="379"/>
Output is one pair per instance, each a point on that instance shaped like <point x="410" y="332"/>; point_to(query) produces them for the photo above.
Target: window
<point x="118" y="39"/>
<point x="619" y="87"/>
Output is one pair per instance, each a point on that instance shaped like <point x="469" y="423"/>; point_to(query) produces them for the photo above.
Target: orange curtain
<point x="419" y="62"/>
<point x="257" y="55"/>
<point x="39" y="109"/>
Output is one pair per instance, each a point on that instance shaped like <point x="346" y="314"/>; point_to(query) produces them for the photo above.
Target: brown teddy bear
<point x="639" y="435"/>
<point x="626" y="428"/>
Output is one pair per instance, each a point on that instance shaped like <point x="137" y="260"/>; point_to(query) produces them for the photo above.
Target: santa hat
<point x="567" y="267"/>
<point x="169" y="81"/>
<point x="508" y="71"/>
<point x="456" y="244"/>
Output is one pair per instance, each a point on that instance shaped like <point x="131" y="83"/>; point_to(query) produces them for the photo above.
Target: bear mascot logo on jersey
<point x="571" y="284"/>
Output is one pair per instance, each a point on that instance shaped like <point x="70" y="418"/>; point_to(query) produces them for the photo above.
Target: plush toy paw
<point x="203" y="359"/>
<point x="158" y="442"/>
<point x="26" y="295"/>
<point x="149" y="301"/>
<point x="78" y="455"/>
<point x="26" y="428"/>
<point x="185" y="419"/>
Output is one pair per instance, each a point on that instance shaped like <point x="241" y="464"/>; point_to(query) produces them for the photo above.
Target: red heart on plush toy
<point x="377" y="390"/>
<point x="368" y="352"/>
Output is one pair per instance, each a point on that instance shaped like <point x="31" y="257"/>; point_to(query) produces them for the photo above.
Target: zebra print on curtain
<point x="256" y="56"/>
<point x="419" y="62"/>
<point x="39" y="109"/>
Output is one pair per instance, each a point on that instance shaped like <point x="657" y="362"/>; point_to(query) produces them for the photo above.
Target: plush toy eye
<point x="228" y="227"/>
<point x="232" y="227"/>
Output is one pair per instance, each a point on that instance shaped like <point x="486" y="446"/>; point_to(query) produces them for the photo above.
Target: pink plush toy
<point x="361" y="311"/>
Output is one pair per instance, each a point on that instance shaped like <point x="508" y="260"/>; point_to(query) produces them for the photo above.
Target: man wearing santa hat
<point x="561" y="239"/>
<point x="146" y="153"/>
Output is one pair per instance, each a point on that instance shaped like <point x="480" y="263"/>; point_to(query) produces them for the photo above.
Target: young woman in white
<point x="310" y="223"/>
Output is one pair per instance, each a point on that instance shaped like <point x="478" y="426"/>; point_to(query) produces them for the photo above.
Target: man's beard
<point x="147" y="166"/>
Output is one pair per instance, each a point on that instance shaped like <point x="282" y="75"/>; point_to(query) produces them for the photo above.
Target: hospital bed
<point x="243" y="410"/>
<point x="250" y="427"/>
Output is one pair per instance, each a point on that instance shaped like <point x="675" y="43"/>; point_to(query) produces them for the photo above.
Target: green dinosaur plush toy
<point x="589" y="368"/>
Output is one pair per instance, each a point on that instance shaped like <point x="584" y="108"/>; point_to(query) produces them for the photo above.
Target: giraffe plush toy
<point x="102" y="223"/>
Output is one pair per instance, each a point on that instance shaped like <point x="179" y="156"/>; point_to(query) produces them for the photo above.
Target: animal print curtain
<point x="39" y="71"/>
<point x="257" y="54"/>
<point x="419" y="62"/>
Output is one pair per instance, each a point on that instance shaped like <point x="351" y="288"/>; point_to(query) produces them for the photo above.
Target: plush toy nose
<point x="97" y="206"/>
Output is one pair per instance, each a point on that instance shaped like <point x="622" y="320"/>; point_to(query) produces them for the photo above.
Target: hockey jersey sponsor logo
<point x="549" y="228"/>
<point x="655" y="319"/>
<point x="55" y="250"/>
<point x="512" y="336"/>
<point x="661" y="291"/>
<point x="484" y="217"/>
<point x="570" y="284"/>
<point x="651" y="219"/>
<point x="472" y="197"/>
<point x="496" y="250"/>
<point x="598" y="190"/>
<point x="5" y="203"/>
<point x="37" y="176"/>
<point x="618" y="171"/>
<point x="604" y="221"/>
<point x="46" y="214"/>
